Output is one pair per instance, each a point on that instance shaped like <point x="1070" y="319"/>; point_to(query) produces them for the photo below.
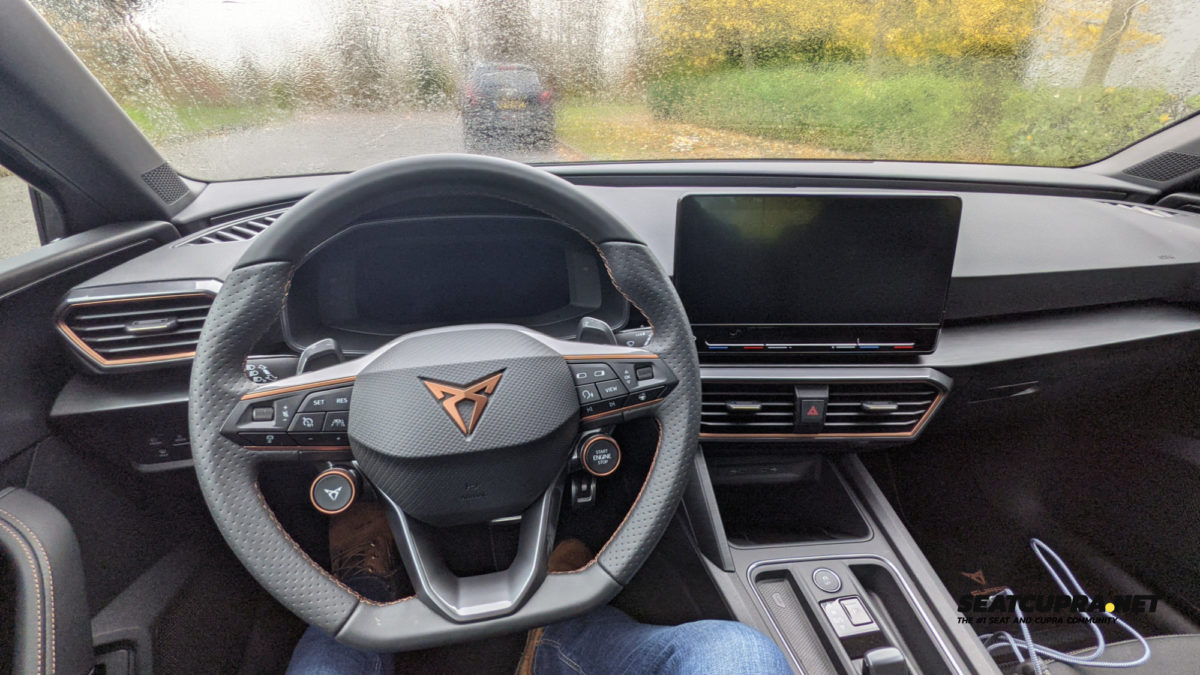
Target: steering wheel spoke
<point x="484" y="596"/>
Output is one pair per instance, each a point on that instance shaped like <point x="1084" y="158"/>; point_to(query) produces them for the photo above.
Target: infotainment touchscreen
<point x="812" y="273"/>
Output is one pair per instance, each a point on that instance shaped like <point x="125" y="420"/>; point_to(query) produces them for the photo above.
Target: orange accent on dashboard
<point x="265" y="393"/>
<point x="608" y="357"/>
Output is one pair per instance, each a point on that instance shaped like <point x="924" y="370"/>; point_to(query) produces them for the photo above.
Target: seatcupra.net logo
<point x="997" y="605"/>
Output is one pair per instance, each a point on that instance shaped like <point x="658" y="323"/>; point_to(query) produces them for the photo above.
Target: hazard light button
<point x="812" y="411"/>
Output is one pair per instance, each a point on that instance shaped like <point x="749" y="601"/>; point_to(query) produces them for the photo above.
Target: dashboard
<point x="1028" y="297"/>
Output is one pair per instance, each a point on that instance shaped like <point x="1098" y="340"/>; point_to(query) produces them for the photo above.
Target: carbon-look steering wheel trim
<point x="250" y="302"/>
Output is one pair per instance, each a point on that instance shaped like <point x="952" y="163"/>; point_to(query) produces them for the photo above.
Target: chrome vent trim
<point x="864" y="404"/>
<point x="747" y="408"/>
<point x="877" y="407"/>
<point x="137" y="328"/>
<point x="242" y="229"/>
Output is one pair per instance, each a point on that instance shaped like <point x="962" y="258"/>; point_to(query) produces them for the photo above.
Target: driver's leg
<point x="363" y="556"/>
<point x="605" y="640"/>
<point x="317" y="653"/>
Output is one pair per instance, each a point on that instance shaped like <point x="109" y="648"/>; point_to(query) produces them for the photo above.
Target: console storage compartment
<point x="784" y="500"/>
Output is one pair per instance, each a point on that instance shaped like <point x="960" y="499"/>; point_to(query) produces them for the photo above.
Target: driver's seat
<point x="51" y="623"/>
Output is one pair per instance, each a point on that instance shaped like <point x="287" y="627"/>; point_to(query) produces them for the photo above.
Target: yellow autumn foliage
<point x="706" y="32"/>
<point x="1073" y="27"/>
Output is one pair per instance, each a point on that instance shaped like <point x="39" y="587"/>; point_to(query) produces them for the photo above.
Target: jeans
<point x="317" y="653"/>
<point x="607" y="641"/>
<point x="601" y="641"/>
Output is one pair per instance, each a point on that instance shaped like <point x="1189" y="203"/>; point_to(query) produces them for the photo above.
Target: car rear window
<point x="515" y="79"/>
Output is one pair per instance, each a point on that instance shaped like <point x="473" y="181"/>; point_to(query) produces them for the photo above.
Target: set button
<point x="328" y="400"/>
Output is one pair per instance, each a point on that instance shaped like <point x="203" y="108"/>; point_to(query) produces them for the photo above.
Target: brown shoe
<point x="362" y="551"/>
<point x="567" y="556"/>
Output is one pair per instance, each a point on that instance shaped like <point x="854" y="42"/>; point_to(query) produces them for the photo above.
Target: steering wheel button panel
<point x="308" y="422"/>
<point x="600" y="408"/>
<point x="268" y="439"/>
<point x="625" y="395"/>
<point x="644" y="396"/>
<point x="336" y="421"/>
<point x="588" y="394"/>
<point x="627" y="373"/>
<point x="584" y="373"/>
<point x="612" y="389"/>
<point x="326" y="401"/>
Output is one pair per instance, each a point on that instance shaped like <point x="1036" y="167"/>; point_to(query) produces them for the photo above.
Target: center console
<point x="806" y="548"/>
<point x="810" y="313"/>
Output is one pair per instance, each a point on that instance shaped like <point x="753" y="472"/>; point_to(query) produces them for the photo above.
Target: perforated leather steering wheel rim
<point x="250" y="302"/>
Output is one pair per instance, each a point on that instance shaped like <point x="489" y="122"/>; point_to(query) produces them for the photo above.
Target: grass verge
<point x="918" y="114"/>
<point x="603" y="130"/>
<point x="193" y="120"/>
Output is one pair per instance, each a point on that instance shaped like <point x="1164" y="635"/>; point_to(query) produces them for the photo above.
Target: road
<point x="304" y="144"/>
<point x="324" y="143"/>
<point x="18" y="232"/>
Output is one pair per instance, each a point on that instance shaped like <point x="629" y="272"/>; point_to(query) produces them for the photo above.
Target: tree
<point x="358" y="39"/>
<point x="1120" y="16"/>
<point x="696" y="34"/>
<point x="1096" y="29"/>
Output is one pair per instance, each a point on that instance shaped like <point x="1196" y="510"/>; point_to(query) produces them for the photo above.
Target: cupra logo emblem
<point x="453" y="396"/>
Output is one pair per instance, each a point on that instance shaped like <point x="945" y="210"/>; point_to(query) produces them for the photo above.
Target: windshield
<point x="247" y="88"/>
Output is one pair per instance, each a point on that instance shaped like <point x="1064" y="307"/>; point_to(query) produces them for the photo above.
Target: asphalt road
<point x="303" y="144"/>
<point x="326" y="142"/>
<point x="18" y="232"/>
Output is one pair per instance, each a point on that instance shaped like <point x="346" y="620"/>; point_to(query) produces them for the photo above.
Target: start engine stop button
<point x="600" y="455"/>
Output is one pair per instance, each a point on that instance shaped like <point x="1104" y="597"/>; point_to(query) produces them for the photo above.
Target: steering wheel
<point x="504" y="453"/>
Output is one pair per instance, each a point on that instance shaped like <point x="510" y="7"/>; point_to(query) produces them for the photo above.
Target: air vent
<point x="885" y="409"/>
<point x="243" y="229"/>
<point x="878" y="407"/>
<point x="137" y="330"/>
<point x="760" y="408"/>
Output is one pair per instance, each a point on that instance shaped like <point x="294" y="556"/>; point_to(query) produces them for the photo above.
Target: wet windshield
<point x="247" y="88"/>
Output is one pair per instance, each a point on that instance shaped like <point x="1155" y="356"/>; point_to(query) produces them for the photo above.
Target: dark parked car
<point x="506" y="105"/>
